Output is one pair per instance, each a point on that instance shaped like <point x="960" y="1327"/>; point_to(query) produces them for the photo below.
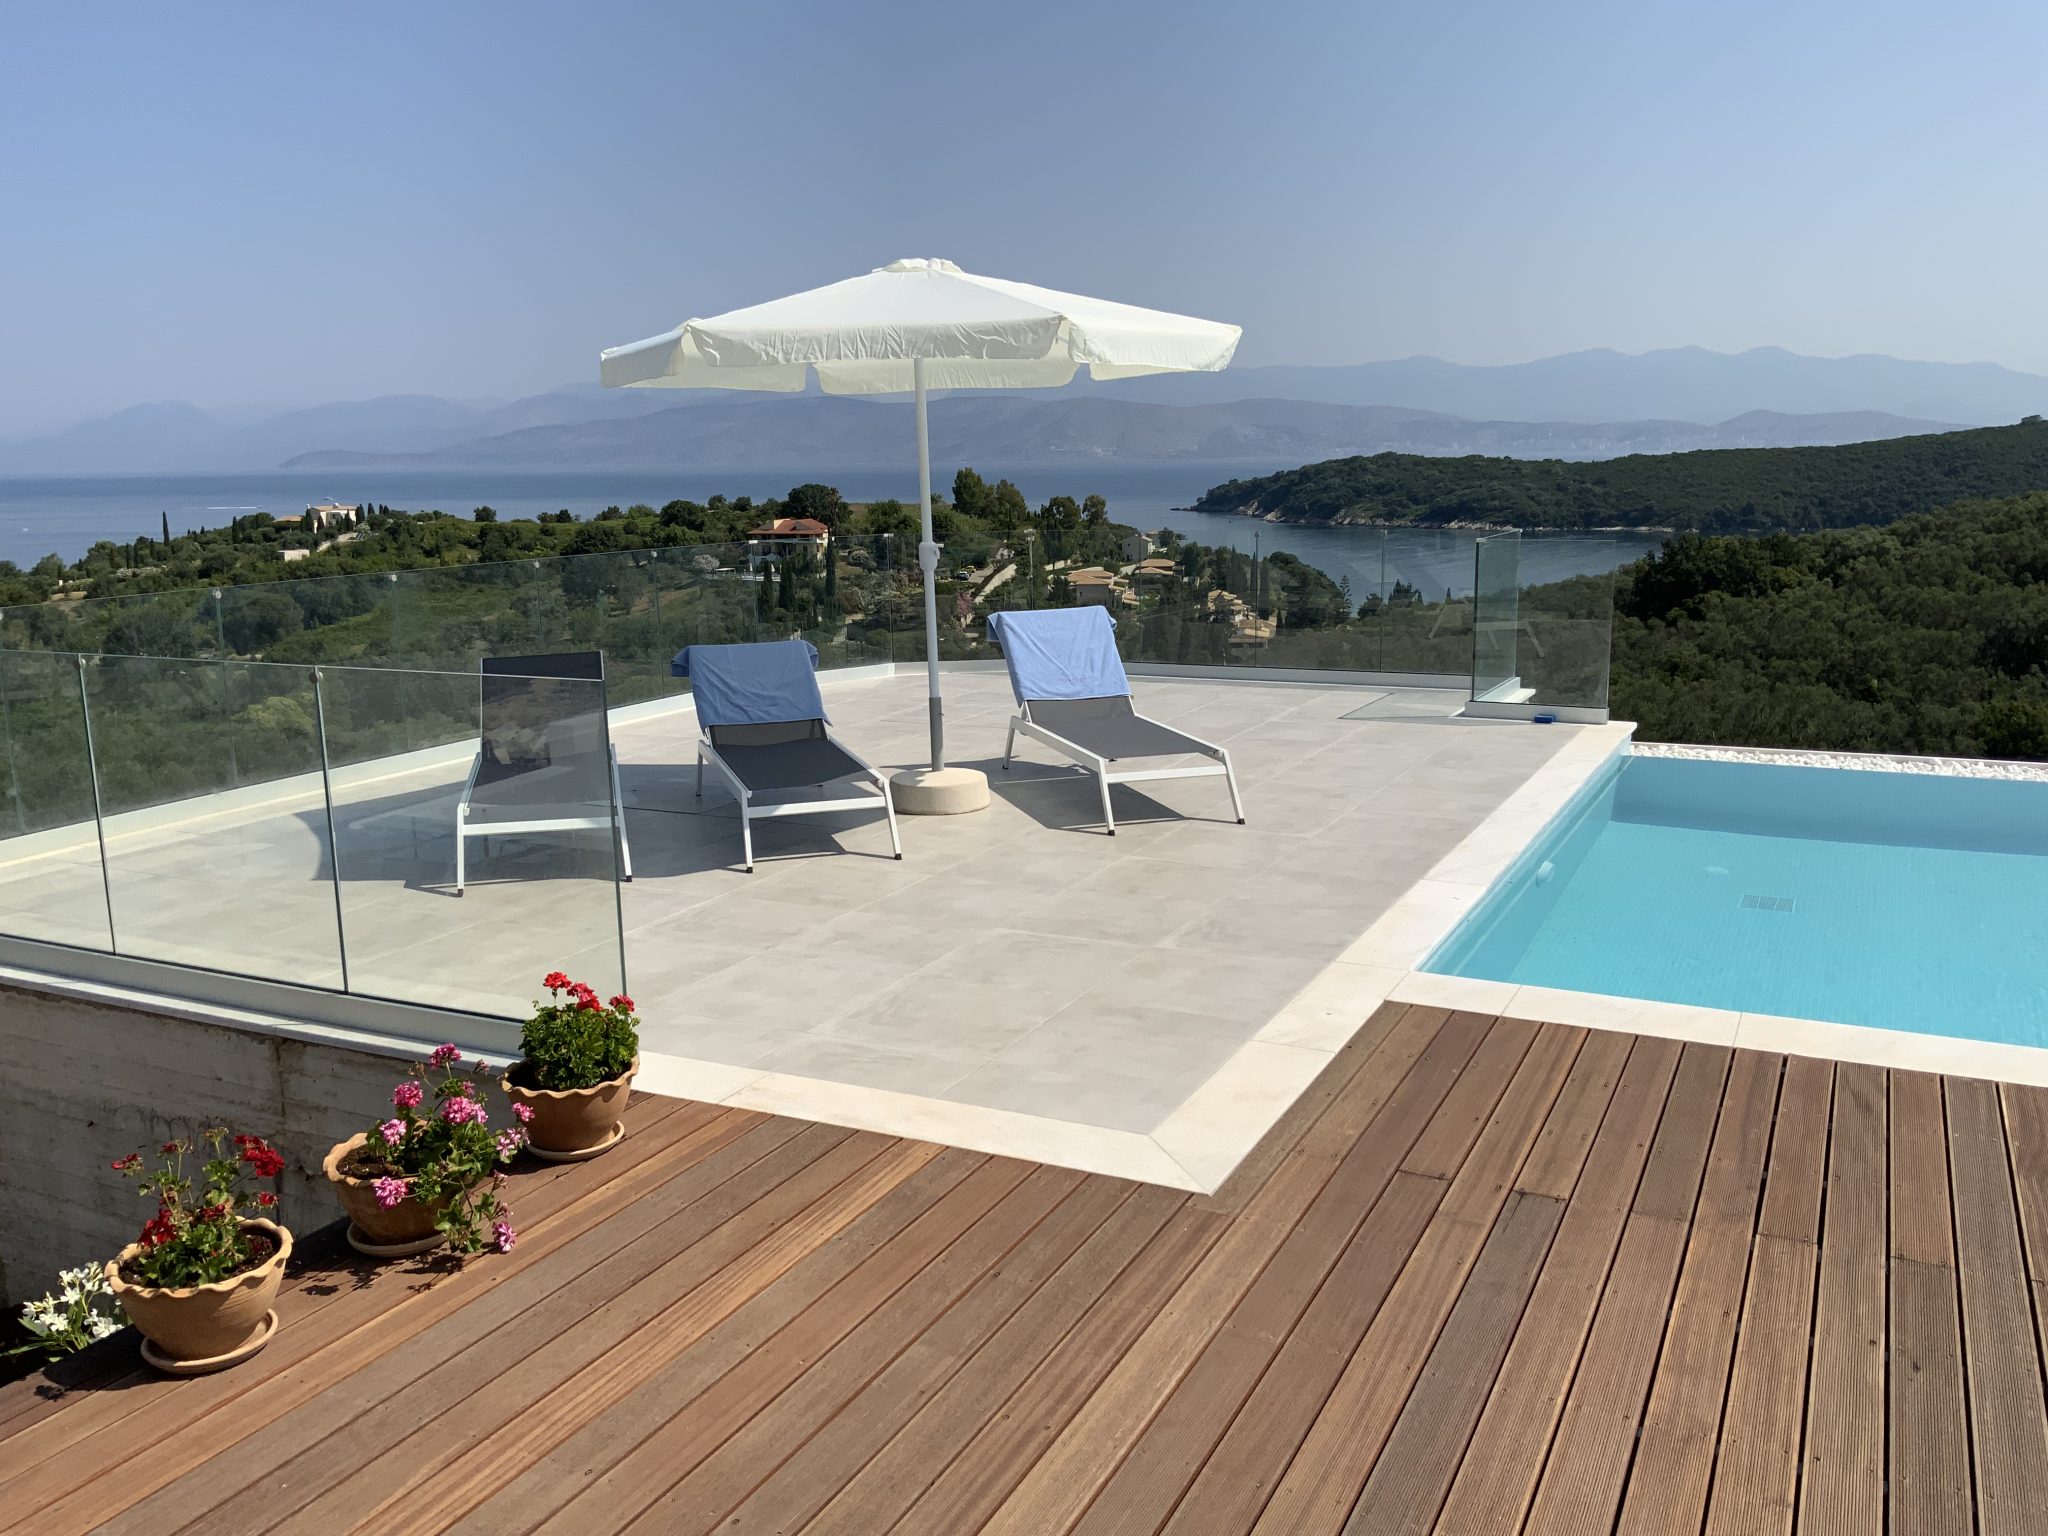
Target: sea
<point x="44" y="515"/>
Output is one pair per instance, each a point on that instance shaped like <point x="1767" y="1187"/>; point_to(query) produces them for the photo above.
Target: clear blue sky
<point x="276" y="205"/>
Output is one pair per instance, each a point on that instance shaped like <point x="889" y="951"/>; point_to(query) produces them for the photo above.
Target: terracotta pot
<point x="203" y="1323"/>
<point x="408" y="1224"/>
<point x="574" y="1122"/>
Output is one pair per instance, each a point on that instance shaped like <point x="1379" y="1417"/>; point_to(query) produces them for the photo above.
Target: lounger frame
<point x="1106" y="775"/>
<point x="751" y="809"/>
<point x="465" y="829"/>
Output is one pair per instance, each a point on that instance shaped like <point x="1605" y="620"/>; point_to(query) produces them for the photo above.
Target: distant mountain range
<point x="793" y="433"/>
<point x="1583" y="405"/>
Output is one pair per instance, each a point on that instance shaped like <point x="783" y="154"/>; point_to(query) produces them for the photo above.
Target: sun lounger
<point x="763" y="728"/>
<point x="1073" y="696"/>
<point x="544" y="760"/>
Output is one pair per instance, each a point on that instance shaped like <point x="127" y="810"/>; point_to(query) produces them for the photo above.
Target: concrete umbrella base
<point x="941" y="792"/>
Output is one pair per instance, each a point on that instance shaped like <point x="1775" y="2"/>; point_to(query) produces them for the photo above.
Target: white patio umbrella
<point x="909" y="327"/>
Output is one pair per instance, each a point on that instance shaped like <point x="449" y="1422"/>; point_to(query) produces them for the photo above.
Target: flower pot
<point x="573" y="1123"/>
<point x="192" y="1329"/>
<point x="374" y="1230"/>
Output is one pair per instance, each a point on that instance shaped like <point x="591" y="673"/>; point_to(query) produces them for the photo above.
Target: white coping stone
<point x="1325" y="1014"/>
<point x="1862" y="762"/>
<point x="1465" y="994"/>
<point x="1211" y="1133"/>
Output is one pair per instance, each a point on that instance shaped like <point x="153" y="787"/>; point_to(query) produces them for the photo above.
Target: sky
<point x="254" y="208"/>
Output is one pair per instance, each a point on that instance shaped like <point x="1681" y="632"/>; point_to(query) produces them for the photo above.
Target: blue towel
<point x="761" y="684"/>
<point x="1060" y="653"/>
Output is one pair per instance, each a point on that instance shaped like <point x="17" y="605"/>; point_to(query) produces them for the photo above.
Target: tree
<point x="971" y="494"/>
<point x="821" y="503"/>
<point x="252" y="622"/>
<point x="167" y="533"/>
<point x="1007" y="510"/>
<point x="484" y="515"/>
<point x="1094" y="512"/>
<point x="831" y="570"/>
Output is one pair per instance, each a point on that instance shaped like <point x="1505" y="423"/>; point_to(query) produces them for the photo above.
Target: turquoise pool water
<point x="1903" y="901"/>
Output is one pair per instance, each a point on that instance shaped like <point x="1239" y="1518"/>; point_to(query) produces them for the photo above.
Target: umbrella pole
<point x="928" y="558"/>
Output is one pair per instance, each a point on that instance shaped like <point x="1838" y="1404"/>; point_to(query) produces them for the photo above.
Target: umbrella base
<point x="940" y="792"/>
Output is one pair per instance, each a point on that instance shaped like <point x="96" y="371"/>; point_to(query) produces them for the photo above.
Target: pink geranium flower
<point x="503" y="1235"/>
<point x="522" y="1113"/>
<point x="444" y="1056"/>
<point x="407" y="1095"/>
<point x="509" y="1143"/>
<point x="389" y="1192"/>
<point x="393" y="1132"/>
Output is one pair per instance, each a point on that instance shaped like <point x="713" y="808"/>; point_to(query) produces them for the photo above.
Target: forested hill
<point x="1734" y="490"/>
<point x="1927" y="636"/>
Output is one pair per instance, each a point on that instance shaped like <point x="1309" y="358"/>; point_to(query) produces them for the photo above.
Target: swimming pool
<point x="1898" y="900"/>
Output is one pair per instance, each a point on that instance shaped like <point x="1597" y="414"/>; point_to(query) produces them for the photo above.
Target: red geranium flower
<point x="129" y="1163"/>
<point x="554" y="981"/>
<point x="264" y="1160"/>
<point x="265" y="1198"/>
<point x="623" y="1001"/>
<point x="157" y="1230"/>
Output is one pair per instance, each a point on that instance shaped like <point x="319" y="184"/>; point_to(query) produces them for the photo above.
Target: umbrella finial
<point x="920" y="264"/>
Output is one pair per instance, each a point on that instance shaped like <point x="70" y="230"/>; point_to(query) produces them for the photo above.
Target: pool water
<point x="1898" y="900"/>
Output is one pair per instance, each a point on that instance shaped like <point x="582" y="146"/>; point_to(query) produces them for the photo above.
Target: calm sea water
<point x="65" y="516"/>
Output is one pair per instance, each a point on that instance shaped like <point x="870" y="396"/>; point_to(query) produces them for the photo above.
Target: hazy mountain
<point x="754" y="433"/>
<point x="171" y="436"/>
<point x="1681" y="384"/>
<point x="1584" y="405"/>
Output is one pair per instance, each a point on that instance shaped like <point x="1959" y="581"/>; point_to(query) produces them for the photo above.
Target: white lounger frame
<point x="465" y="829"/>
<point x="1106" y="775"/>
<point x="749" y="809"/>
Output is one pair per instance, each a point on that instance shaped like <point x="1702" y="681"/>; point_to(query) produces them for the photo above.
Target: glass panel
<point x="1425" y="612"/>
<point x="51" y="880"/>
<point x="215" y="816"/>
<point x="1566" y="613"/>
<point x="1496" y="618"/>
<point x="539" y="896"/>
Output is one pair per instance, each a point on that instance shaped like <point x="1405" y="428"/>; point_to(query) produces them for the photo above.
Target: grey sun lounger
<point x="544" y="762"/>
<point x="1073" y="695"/>
<point x="762" y="728"/>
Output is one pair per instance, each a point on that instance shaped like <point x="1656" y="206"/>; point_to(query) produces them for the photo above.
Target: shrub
<point x="79" y="1312"/>
<point x="574" y="1042"/>
<point x="198" y="1239"/>
<point x="438" y="1147"/>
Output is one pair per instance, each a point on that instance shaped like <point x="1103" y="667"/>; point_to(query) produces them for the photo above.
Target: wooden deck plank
<point x="1674" y="1461"/>
<point x="1841" y="1485"/>
<point x="1180" y="1438"/>
<point x="544" y="1190"/>
<point x="638" y="1464"/>
<point x="1756" y="1477"/>
<point x="1408" y="1483"/>
<point x="1930" y="1491"/>
<point x="1583" y="1478"/>
<point x="1922" y="1227"/>
<point x="884" y="1486"/>
<point x="1325" y="1477"/>
<point x="1467" y="1051"/>
<point x="2008" y="1418"/>
<point x="1930" y="1485"/>
<point x="1486" y="1277"/>
<point x="206" y="1422"/>
<point x="1505" y="1459"/>
<point x="713" y="1484"/>
<point x="1799" y="1150"/>
<point x="552" y="1327"/>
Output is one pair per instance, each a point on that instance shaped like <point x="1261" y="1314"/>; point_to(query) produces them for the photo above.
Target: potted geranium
<point x="428" y="1174"/>
<point x="200" y="1280"/>
<point x="577" y="1058"/>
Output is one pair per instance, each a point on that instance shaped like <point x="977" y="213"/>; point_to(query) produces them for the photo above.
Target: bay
<point x="43" y="515"/>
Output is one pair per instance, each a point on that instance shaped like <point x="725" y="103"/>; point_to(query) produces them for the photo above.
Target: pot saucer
<point x="617" y="1135"/>
<point x="206" y="1366"/>
<point x="405" y="1250"/>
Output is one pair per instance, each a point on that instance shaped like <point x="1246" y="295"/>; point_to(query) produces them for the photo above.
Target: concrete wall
<point x="83" y="1083"/>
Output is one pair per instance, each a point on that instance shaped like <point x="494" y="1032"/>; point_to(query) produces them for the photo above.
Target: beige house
<point x="776" y="541"/>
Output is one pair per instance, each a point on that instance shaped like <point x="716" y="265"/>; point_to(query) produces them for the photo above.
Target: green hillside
<point x="1723" y="490"/>
<point x="1927" y="636"/>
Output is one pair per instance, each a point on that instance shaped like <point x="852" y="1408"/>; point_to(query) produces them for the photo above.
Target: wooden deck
<point x="1489" y="1277"/>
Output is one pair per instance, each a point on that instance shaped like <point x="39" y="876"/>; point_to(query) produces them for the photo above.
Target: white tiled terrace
<point x="1145" y="1005"/>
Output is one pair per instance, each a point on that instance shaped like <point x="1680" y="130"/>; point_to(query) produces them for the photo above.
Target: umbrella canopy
<point x="914" y="326"/>
<point x="864" y="336"/>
